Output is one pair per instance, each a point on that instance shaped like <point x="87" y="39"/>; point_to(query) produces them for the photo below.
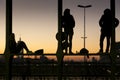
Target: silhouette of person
<point x="63" y="37"/>
<point x="68" y="23"/>
<point x="106" y="22"/>
<point x="15" y="48"/>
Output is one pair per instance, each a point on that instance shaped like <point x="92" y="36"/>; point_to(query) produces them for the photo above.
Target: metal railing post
<point x="59" y="52"/>
<point x="8" y="56"/>
<point x="113" y="50"/>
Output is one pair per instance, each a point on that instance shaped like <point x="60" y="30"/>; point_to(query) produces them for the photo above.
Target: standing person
<point x="68" y="23"/>
<point x="107" y="21"/>
<point x="16" y="48"/>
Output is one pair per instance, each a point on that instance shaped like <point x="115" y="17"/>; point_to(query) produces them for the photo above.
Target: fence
<point x="74" y="67"/>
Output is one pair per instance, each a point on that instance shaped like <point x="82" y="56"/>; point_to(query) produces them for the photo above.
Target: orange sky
<point x="36" y="23"/>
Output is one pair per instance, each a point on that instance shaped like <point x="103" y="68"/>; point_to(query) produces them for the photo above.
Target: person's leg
<point x="70" y="43"/>
<point x="108" y="44"/>
<point x="66" y="42"/>
<point x="102" y="36"/>
<point x="21" y="45"/>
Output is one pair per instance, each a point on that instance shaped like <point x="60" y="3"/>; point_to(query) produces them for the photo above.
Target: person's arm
<point x="73" y="21"/>
<point x="101" y="22"/>
<point x="116" y="22"/>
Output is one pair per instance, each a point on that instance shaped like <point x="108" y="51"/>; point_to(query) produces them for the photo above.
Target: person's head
<point x="67" y="12"/>
<point x="107" y="11"/>
<point x="12" y="36"/>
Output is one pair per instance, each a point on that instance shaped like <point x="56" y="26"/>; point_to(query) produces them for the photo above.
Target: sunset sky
<point x="36" y="22"/>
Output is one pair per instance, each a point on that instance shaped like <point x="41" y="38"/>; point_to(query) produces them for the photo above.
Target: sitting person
<point x="16" y="48"/>
<point x="64" y="43"/>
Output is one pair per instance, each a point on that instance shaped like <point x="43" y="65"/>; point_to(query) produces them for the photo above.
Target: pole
<point x="84" y="50"/>
<point x="112" y="5"/>
<point x="113" y="51"/>
<point x="59" y="47"/>
<point x="8" y="57"/>
<point x="59" y="52"/>
<point x="84" y="27"/>
<point x="84" y="7"/>
<point x="8" y="23"/>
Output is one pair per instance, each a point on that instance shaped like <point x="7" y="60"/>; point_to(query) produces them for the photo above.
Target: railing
<point x="75" y="67"/>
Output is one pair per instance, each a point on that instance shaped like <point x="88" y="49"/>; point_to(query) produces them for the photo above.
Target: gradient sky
<point x="35" y="21"/>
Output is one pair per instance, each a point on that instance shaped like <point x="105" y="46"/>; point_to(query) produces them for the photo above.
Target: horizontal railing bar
<point x="63" y="54"/>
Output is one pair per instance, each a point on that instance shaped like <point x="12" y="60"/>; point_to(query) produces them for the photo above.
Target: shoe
<point x="71" y="53"/>
<point x="106" y="51"/>
<point x="29" y="52"/>
<point x="100" y="52"/>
